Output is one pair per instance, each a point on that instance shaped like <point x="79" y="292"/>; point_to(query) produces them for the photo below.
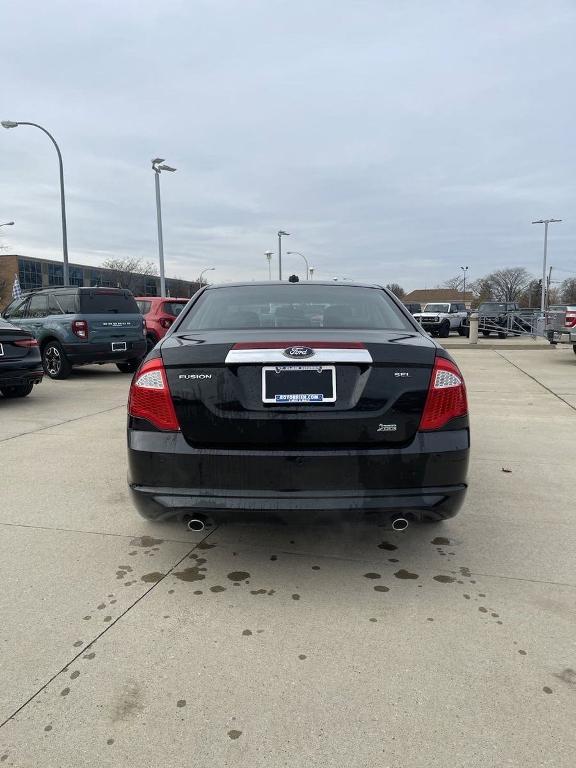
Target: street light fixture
<point x="13" y="124"/>
<point x="311" y="273"/>
<point x="208" y="269"/>
<point x="305" y="261"/>
<point x="158" y="167"/>
<point x="464" y="271"/>
<point x="269" y="255"/>
<point x="543" y="294"/>
<point x="7" y="224"/>
<point x="281" y="234"/>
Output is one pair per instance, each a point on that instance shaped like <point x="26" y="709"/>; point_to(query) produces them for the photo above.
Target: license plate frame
<point x="119" y="346"/>
<point x="298" y="398"/>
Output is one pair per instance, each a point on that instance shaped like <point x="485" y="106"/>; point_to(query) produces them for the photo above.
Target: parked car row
<point x="69" y="326"/>
<point x="441" y="318"/>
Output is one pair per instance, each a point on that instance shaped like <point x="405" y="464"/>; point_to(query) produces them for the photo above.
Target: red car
<point x="159" y="314"/>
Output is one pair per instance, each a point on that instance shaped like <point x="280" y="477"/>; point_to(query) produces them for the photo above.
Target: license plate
<point x="300" y="384"/>
<point x="118" y="346"/>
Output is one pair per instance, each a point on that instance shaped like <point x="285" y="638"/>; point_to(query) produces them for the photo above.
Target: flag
<point x="16" y="290"/>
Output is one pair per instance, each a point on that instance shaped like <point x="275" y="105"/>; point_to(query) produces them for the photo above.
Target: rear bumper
<point x="23" y="374"/>
<point x="427" y="479"/>
<point x="86" y="352"/>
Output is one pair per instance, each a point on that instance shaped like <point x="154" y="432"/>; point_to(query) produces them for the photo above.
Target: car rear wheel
<point x="54" y="361"/>
<point x="444" y="331"/>
<point x="461" y="330"/>
<point x="128" y="366"/>
<point x="18" y="390"/>
<point x="486" y="333"/>
<point x="502" y="335"/>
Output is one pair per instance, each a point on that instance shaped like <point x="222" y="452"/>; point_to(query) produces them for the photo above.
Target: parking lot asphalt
<point x="126" y="643"/>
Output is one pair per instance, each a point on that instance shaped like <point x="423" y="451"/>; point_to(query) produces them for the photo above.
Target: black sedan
<point x="297" y="398"/>
<point x="20" y="362"/>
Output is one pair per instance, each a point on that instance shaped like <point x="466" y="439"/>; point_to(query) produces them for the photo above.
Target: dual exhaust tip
<point x="197" y="524"/>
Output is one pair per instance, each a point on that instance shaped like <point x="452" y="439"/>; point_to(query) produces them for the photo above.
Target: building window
<point x="76" y="276"/>
<point x="151" y="287"/>
<point x="29" y="274"/>
<point x="55" y="274"/>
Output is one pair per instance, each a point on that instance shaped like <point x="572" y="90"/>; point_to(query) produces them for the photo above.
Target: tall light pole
<point x="158" y="167"/>
<point x="281" y="234"/>
<point x="208" y="269"/>
<point x="543" y="295"/>
<point x="311" y="273"/>
<point x="464" y="271"/>
<point x="13" y="124"/>
<point x="289" y="253"/>
<point x="269" y="255"/>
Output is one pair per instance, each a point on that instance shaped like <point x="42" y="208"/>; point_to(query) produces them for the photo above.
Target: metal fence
<point x="524" y="322"/>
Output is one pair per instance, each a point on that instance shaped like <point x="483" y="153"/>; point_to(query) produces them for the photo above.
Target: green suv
<point x="76" y="326"/>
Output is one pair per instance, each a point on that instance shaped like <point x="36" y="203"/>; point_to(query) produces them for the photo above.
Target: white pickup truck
<point x="440" y="319"/>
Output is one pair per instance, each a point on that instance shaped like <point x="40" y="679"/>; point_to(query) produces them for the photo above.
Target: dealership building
<point x="41" y="273"/>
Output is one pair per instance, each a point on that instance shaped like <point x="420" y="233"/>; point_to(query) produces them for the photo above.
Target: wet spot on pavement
<point x="567" y="676"/>
<point x="238" y="575"/>
<point x="205" y="545"/>
<point x="190" y="574"/>
<point x="373" y="619"/>
<point x="107" y="618"/>
<point x="295" y="597"/>
<point x="101" y="606"/>
<point x="65" y="692"/>
<point x="274" y="557"/>
<point x="47" y="728"/>
<point x="217" y="588"/>
<point x="403" y="574"/>
<point x="547" y="690"/>
<point x="393" y="560"/>
<point x="247" y="632"/>
<point x="153" y="577"/>
<point x="89" y="655"/>
<point x="521" y="652"/>
<point x="78" y="643"/>
<point x="429" y="619"/>
<point x="170" y="591"/>
<point x="466" y="597"/>
<point x="482" y="609"/>
<point x="110" y="742"/>
<point x="198" y="592"/>
<point x="443" y="579"/>
<point x="87" y="618"/>
<point x="181" y="703"/>
<point x="146" y="542"/>
<point x="234" y="734"/>
<point x="440" y="540"/>
<point x="302" y="656"/>
<point x="74" y="675"/>
<point x="381" y="588"/>
<point x="257" y="591"/>
<point x="315" y="567"/>
<point x="372" y="576"/>
<point x="387" y="546"/>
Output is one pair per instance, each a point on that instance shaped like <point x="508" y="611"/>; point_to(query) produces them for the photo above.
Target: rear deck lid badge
<point x="387" y="428"/>
<point x="299" y="353"/>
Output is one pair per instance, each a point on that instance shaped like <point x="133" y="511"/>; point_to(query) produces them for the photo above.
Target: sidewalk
<point x="492" y="342"/>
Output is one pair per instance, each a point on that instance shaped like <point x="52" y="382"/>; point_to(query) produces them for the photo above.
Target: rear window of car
<point x="294" y="306"/>
<point x="173" y="307"/>
<point x="102" y="302"/>
<point x="492" y="306"/>
<point x="437" y="308"/>
<point x="144" y="306"/>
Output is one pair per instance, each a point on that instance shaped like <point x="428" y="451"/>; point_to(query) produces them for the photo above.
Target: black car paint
<point x="235" y="458"/>
<point x="19" y="366"/>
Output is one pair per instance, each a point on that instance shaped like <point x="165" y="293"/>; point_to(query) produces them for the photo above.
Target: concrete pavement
<point x="130" y="644"/>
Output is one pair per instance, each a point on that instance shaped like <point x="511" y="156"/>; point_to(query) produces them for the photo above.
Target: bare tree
<point x="454" y="283"/>
<point x="508" y="284"/>
<point x="568" y="291"/>
<point x="397" y="290"/>
<point x="129" y="272"/>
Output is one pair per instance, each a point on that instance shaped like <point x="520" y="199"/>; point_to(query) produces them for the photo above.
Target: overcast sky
<point x="396" y="141"/>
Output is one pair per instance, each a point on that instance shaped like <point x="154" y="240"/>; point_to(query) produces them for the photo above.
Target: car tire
<point x="502" y="335"/>
<point x="461" y="330"/>
<point x="54" y="361"/>
<point x="18" y="390"/>
<point x="574" y="348"/>
<point x="444" y="331"/>
<point x="486" y="333"/>
<point x="128" y="366"/>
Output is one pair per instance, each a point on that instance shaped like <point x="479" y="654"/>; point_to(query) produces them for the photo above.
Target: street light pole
<point x="13" y="124"/>
<point x="158" y="167"/>
<point x="289" y="253"/>
<point x="268" y="255"/>
<point x="281" y="234"/>
<point x="546" y="222"/>
<point x="464" y="271"/>
<point x="208" y="269"/>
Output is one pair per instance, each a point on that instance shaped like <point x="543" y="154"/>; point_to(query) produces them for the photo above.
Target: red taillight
<point x="446" y="395"/>
<point x="570" y="321"/>
<point x="150" y="397"/>
<point x="25" y="343"/>
<point x="166" y="322"/>
<point x="80" y="328"/>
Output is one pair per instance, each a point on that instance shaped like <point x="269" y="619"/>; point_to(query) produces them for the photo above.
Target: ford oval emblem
<point x="299" y="353"/>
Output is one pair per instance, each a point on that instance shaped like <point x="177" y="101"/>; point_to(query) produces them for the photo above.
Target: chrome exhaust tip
<point x="399" y="524"/>
<point x="196" y="524"/>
